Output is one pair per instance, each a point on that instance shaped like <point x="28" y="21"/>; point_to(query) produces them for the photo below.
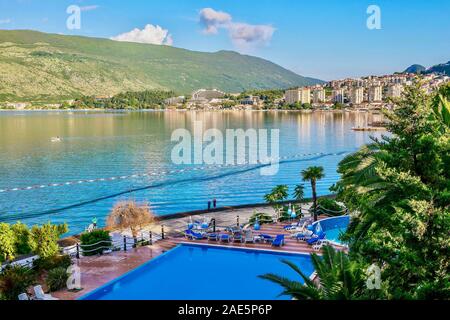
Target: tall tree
<point x="313" y="174"/>
<point x="397" y="190"/>
<point x="278" y="194"/>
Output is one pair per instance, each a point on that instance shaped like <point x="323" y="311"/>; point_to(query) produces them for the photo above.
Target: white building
<point x="338" y="96"/>
<point x="206" y="94"/>
<point x="302" y="95"/>
<point x="395" y="91"/>
<point x="357" y="95"/>
<point x="375" y="94"/>
<point x="319" y="95"/>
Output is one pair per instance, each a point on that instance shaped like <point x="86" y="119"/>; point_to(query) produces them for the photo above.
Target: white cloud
<point x="212" y="20"/>
<point x="243" y="35"/>
<point x="150" y="34"/>
<point x="5" y="21"/>
<point x="247" y="34"/>
<point x="89" y="8"/>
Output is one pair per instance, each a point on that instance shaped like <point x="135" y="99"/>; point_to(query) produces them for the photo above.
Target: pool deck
<point x="98" y="270"/>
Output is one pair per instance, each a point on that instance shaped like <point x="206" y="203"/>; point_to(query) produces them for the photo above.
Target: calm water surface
<point x="102" y="145"/>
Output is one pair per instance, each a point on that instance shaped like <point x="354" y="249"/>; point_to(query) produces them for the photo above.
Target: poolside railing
<point x="122" y="243"/>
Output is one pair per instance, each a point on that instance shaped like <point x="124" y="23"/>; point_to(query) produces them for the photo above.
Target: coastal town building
<point x="357" y="95"/>
<point x="375" y="93"/>
<point x="338" y="96"/>
<point x="207" y="94"/>
<point x="319" y="95"/>
<point x="301" y="95"/>
<point x="251" y="100"/>
<point x="394" y="91"/>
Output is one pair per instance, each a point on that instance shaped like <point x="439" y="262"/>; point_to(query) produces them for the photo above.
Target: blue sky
<point x="326" y="39"/>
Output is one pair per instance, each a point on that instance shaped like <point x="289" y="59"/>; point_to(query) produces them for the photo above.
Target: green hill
<point x="415" y="68"/>
<point x="46" y="67"/>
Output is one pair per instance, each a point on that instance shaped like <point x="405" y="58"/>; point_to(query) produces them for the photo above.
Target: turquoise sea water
<point x="101" y="145"/>
<point x="207" y="273"/>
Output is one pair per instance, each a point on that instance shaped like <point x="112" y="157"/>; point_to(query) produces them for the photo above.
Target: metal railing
<point x="121" y="243"/>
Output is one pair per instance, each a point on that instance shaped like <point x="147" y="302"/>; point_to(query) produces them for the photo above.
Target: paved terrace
<point x="98" y="270"/>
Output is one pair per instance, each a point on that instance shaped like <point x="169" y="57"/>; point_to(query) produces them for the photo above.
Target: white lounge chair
<point x="248" y="237"/>
<point x="40" y="295"/>
<point x="23" y="296"/>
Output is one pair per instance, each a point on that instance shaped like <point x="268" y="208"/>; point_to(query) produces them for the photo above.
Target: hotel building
<point x="302" y="95"/>
<point x="375" y="94"/>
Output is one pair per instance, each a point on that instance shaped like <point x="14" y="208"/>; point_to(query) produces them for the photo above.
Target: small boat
<point x="55" y="139"/>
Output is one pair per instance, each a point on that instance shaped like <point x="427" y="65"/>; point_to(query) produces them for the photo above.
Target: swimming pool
<point x="198" y="272"/>
<point x="333" y="227"/>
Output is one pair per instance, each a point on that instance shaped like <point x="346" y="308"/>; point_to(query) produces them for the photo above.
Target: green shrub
<point x="330" y="207"/>
<point x="15" y="280"/>
<point x="58" y="261"/>
<point x="44" y="239"/>
<point x="57" y="279"/>
<point x="262" y="218"/>
<point x="22" y="241"/>
<point x="7" y="243"/>
<point x="89" y="239"/>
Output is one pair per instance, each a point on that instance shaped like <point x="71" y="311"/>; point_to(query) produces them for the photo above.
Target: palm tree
<point x="278" y="194"/>
<point x="313" y="174"/>
<point x="299" y="192"/>
<point x="338" y="278"/>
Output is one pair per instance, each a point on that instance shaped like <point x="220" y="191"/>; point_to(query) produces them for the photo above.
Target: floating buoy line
<point x="165" y="173"/>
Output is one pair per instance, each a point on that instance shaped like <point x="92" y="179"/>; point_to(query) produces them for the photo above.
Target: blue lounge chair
<point x="197" y="236"/>
<point x="213" y="236"/>
<point x="266" y="237"/>
<point x="188" y="233"/>
<point x="225" y="238"/>
<point x="238" y="237"/>
<point x="313" y="240"/>
<point x="279" y="241"/>
<point x="292" y="226"/>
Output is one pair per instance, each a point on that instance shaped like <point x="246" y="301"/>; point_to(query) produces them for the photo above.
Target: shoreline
<point x="182" y="110"/>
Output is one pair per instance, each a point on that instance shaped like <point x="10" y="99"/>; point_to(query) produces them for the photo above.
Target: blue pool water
<point x="334" y="227"/>
<point x="190" y="272"/>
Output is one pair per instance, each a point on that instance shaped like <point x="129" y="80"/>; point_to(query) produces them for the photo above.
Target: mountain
<point x="48" y="67"/>
<point x="415" y="68"/>
<point x="440" y="68"/>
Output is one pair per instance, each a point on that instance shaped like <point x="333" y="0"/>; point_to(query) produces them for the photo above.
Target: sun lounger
<point x="304" y="235"/>
<point x="213" y="237"/>
<point x="23" y="296"/>
<point x="249" y="237"/>
<point x="313" y="240"/>
<point x="188" y="233"/>
<point x="238" y="237"/>
<point x="266" y="237"/>
<point x="225" y="238"/>
<point x="40" y="295"/>
<point x="197" y="236"/>
<point x="279" y="241"/>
